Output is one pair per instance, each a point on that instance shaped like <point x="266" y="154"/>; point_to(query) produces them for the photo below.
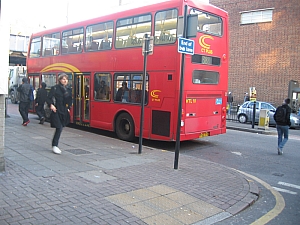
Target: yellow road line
<point x="279" y="206"/>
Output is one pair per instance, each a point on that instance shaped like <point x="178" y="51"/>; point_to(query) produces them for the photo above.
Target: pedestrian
<point x="282" y="119"/>
<point x="122" y="93"/>
<point x="103" y="92"/>
<point x="246" y="97"/>
<point x="24" y="90"/>
<point x="40" y="102"/>
<point x="229" y="102"/>
<point x="60" y="101"/>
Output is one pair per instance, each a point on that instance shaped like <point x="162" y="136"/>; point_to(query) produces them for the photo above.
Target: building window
<point x="256" y="16"/>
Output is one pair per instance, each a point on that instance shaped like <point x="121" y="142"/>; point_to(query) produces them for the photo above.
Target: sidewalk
<point x="247" y="127"/>
<point x="101" y="180"/>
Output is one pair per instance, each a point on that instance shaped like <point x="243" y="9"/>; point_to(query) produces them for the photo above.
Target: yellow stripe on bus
<point x="65" y="67"/>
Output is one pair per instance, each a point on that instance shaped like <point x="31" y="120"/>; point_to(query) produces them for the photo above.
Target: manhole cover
<point x="78" y="151"/>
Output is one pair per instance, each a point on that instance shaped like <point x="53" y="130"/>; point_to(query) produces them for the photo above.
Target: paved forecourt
<point x="102" y="180"/>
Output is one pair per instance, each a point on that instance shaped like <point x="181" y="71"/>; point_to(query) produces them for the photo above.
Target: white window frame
<point x="257" y="16"/>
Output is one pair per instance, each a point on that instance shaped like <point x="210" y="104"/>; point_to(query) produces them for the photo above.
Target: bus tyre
<point x="13" y="97"/>
<point x="125" y="127"/>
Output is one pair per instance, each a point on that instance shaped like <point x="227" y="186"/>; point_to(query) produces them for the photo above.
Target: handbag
<point x="47" y="108"/>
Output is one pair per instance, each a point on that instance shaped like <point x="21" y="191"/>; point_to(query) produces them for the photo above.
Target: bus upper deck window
<point x="208" y="23"/>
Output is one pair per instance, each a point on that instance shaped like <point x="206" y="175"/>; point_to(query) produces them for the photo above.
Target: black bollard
<point x="6" y="101"/>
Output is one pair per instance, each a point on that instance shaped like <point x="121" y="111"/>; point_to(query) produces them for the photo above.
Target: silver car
<point x="245" y="113"/>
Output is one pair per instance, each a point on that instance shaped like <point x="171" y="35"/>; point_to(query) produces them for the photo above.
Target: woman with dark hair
<point x="40" y="101"/>
<point x="59" y="101"/>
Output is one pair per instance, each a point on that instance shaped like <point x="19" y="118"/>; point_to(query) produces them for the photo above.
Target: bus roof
<point x="128" y="10"/>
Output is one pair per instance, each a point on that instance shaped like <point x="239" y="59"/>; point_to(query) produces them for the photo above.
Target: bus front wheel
<point x="125" y="127"/>
<point x="13" y="97"/>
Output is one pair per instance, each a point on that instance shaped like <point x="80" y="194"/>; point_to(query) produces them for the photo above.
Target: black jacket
<point x="288" y="114"/>
<point x="230" y="98"/>
<point x="41" y="96"/>
<point x="24" y="92"/>
<point x="63" y="101"/>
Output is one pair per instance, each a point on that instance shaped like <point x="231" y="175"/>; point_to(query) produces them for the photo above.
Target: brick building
<point x="264" y="47"/>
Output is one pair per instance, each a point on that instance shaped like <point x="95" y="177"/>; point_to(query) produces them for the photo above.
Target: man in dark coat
<point x="60" y="101"/>
<point x="40" y="102"/>
<point x="24" y="104"/>
<point x="283" y="126"/>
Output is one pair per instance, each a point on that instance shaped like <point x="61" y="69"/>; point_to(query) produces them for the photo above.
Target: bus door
<point x="82" y="99"/>
<point x="34" y="80"/>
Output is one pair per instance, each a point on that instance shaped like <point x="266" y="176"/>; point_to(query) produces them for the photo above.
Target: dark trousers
<point x="23" y="109"/>
<point x="56" y="136"/>
<point x="40" y="111"/>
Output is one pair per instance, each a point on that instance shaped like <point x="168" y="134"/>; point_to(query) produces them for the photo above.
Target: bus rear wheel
<point x="125" y="127"/>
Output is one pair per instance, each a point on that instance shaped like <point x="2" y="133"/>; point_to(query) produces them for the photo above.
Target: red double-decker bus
<point x="104" y="62"/>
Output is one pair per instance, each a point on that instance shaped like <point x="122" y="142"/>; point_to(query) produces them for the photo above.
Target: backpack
<point x="280" y="114"/>
<point x="30" y="95"/>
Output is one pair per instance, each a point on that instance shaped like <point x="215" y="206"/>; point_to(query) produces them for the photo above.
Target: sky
<point x="53" y="13"/>
<point x="38" y="14"/>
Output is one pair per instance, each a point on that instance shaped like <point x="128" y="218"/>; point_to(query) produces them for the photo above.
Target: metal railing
<point x="232" y="112"/>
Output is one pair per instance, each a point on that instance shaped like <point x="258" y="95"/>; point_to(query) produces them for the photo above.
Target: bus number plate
<point x="205" y="134"/>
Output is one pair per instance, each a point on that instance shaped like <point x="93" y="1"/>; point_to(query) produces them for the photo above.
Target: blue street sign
<point x="185" y="46"/>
